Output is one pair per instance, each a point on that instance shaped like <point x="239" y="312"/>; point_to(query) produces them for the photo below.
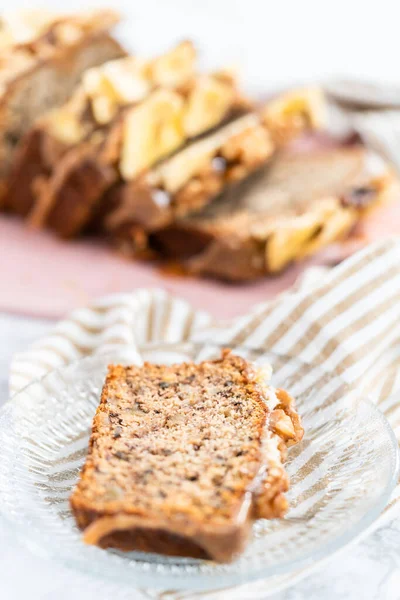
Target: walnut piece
<point x="208" y="102"/>
<point x="294" y="112"/>
<point x="130" y="80"/>
<point x="167" y="118"/>
<point x="152" y="130"/>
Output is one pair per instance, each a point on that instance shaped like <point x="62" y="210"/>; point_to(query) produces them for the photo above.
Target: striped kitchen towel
<point x="346" y="322"/>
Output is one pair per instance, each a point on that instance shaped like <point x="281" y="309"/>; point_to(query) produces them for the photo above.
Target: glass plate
<point x="342" y="473"/>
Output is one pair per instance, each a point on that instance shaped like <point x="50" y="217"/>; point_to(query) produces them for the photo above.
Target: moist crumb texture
<point x="183" y="458"/>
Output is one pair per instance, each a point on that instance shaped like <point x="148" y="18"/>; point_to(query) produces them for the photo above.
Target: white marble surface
<point x="369" y="570"/>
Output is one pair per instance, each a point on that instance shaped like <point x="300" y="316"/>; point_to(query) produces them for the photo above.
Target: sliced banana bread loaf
<point x="146" y="108"/>
<point x="144" y="134"/>
<point x="182" y="459"/>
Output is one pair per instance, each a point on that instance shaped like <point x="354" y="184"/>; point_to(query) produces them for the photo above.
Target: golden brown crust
<point x="181" y="456"/>
<point x="34" y="159"/>
<point x="67" y="195"/>
<point x="84" y="177"/>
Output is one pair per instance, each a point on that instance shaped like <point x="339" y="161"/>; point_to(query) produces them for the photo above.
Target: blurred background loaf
<point x="275" y="47"/>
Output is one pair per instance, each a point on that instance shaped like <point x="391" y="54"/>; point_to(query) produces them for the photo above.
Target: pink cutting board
<point x="46" y="277"/>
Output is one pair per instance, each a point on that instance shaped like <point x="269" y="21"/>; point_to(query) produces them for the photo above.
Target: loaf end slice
<point x="41" y="73"/>
<point x="182" y="459"/>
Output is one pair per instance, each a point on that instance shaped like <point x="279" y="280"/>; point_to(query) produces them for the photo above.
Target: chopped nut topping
<point x="108" y="88"/>
<point x="207" y="104"/>
<point x="24" y="26"/>
<point x="173" y="68"/>
<point x="293" y="112"/>
<point x="174" y="173"/>
<point x="114" y="84"/>
<point x="151" y="130"/>
<point x="67" y="33"/>
<point x="282" y="424"/>
<point x="248" y="147"/>
<point x="67" y="123"/>
<point x="167" y="118"/>
<point x="129" y="80"/>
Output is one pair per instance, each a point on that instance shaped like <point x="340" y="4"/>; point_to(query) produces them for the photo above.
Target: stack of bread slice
<point x="125" y="116"/>
<point x="175" y="163"/>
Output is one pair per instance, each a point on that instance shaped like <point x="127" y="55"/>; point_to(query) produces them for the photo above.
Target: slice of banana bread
<point x="40" y="73"/>
<point x="288" y="211"/>
<point x="182" y="459"/>
<point x="192" y="178"/>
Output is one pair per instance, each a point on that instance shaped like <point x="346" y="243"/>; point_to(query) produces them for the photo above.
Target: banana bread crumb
<point x="183" y="458"/>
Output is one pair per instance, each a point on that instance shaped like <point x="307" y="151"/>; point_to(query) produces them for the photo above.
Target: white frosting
<point x="264" y="375"/>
